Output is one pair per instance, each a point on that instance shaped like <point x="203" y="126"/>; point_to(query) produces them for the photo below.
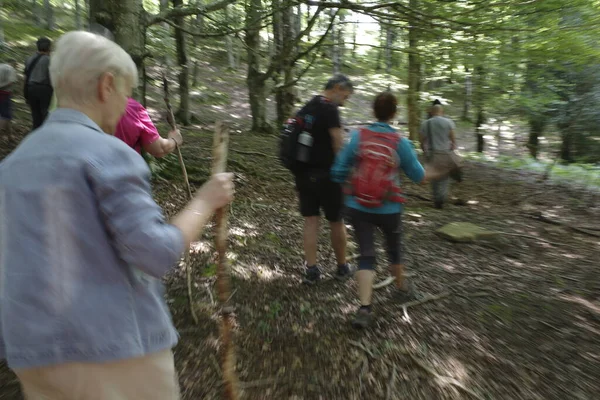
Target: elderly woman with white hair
<point x="83" y="245"/>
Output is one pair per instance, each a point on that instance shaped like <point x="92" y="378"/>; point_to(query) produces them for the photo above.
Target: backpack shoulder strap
<point x="429" y="138"/>
<point x="29" y="70"/>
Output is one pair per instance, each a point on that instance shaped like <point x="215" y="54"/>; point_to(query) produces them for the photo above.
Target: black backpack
<point x="289" y="141"/>
<point x="290" y="133"/>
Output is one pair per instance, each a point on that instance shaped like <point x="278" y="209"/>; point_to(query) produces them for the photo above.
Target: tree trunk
<point x="414" y="76"/>
<point x="537" y="120"/>
<point x="229" y="42"/>
<point x="284" y="36"/>
<point x="125" y="19"/>
<point x="78" y="23"/>
<point x="183" y="113"/>
<point x="566" y="146"/>
<point x="164" y="5"/>
<point x="1" y="27"/>
<point x="255" y="79"/>
<point x="298" y="25"/>
<point x="537" y="124"/>
<point x="49" y="15"/>
<point x="354" y="34"/>
<point x="35" y="12"/>
<point x="480" y="106"/>
<point x="335" y="48"/>
<point x="468" y="94"/>
<point x="381" y="48"/>
<point x="308" y="19"/>
<point x="87" y="13"/>
<point x="197" y="28"/>
<point x="341" y="43"/>
<point x="388" y="49"/>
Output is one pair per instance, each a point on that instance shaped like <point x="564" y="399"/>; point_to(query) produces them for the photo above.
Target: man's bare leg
<point x="311" y="235"/>
<point x="338" y="241"/>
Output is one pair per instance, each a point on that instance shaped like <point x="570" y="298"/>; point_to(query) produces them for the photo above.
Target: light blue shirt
<point x="347" y="156"/>
<point x="83" y="248"/>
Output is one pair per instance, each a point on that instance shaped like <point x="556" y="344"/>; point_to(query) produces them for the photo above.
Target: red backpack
<point x="375" y="177"/>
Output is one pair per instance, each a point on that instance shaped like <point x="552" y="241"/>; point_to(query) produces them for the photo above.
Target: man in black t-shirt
<point x="315" y="190"/>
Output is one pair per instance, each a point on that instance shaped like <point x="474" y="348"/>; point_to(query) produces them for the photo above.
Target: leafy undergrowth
<point x="517" y="318"/>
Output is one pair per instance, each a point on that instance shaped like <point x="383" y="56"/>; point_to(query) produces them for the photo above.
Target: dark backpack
<point x="376" y="176"/>
<point x="288" y="141"/>
<point x="294" y="151"/>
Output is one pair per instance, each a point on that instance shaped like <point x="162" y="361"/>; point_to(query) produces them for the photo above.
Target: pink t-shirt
<point x="135" y="127"/>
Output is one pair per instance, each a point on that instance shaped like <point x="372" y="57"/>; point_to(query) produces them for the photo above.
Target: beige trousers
<point x="151" y="377"/>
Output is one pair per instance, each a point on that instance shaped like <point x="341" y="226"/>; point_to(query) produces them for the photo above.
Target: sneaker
<point x="312" y="276"/>
<point x="362" y="319"/>
<point x="345" y="271"/>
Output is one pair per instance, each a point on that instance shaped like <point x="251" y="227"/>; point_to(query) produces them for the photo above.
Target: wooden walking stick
<point x="220" y="147"/>
<point x="186" y="260"/>
<point x="171" y="121"/>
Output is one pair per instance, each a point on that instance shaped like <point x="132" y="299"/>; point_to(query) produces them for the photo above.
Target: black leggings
<point x="364" y="225"/>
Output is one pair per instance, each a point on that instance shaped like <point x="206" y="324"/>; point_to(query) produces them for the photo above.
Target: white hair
<point x="8" y="75"/>
<point x="80" y="59"/>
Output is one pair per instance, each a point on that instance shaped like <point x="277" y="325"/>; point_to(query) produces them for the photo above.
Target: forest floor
<point x="513" y="318"/>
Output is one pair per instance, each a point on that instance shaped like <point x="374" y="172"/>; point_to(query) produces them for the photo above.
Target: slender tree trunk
<point x="537" y="125"/>
<point x="255" y="79"/>
<point x="468" y="93"/>
<point x="1" y="26"/>
<point x="298" y="25"/>
<point x="566" y="146"/>
<point x="341" y="35"/>
<point x="87" y="13"/>
<point x="197" y="28"/>
<point x="284" y="93"/>
<point x="183" y="113"/>
<point x="229" y="42"/>
<point x="335" y="48"/>
<point x="381" y="49"/>
<point x="308" y="19"/>
<point x="354" y="34"/>
<point x="388" y="49"/>
<point x="480" y="106"/>
<point x="414" y="76"/>
<point x="36" y="10"/>
<point x="537" y="121"/>
<point x="49" y="15"/>
<point x="78" y="23"/>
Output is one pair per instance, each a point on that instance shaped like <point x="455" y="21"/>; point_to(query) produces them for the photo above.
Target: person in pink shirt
<point x="137" y="130"/>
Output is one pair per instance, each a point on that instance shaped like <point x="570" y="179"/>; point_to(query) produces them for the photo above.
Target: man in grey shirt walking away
<point x="437" y="137"/>
<point x="38" y="89"/>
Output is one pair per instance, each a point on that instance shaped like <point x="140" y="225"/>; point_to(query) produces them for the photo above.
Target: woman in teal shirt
<point x="387" y="215"/>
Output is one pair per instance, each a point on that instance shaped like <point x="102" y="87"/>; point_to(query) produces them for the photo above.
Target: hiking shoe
<point x="439" y="205"/>
<point x="406" y="293"/>
<point x="312" y="276"/>
<point x="345" y="271"/>
<point x="362" y="319"/>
